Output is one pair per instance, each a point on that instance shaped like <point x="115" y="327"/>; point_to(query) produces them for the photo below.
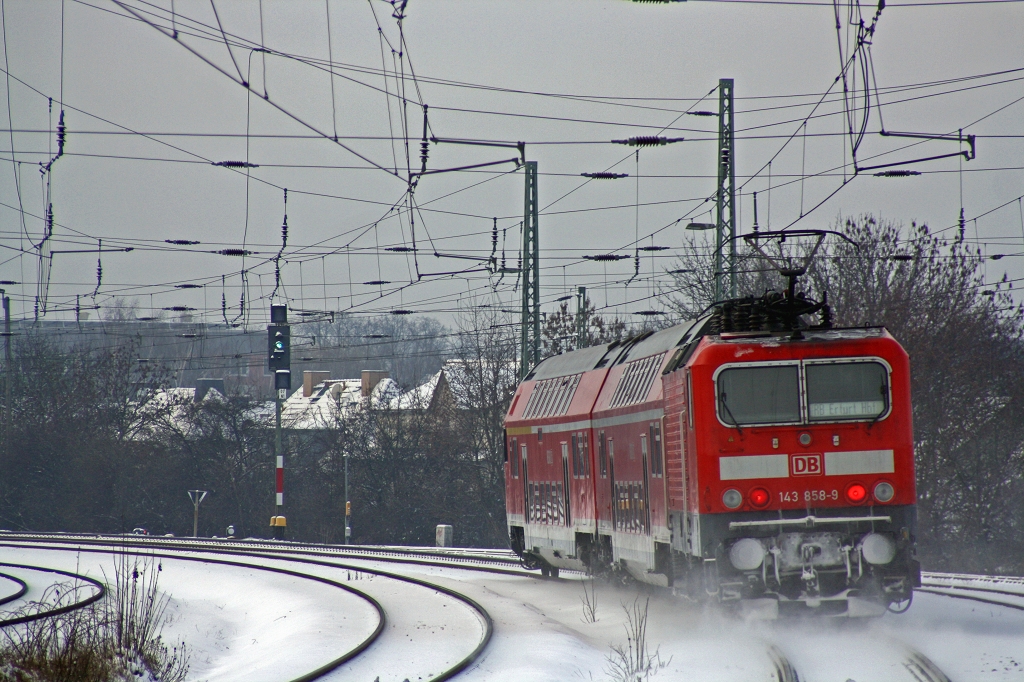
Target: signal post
<point x="279" y="361"/>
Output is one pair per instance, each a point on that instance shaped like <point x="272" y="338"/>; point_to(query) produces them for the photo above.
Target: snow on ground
<point x="247" y="624"/>
<point x="37" y="582"/>
<point x="540" y="634"/>
<point x="238" y="623"/>
<point x="8" y="587"/>
<point x="975" y="582"/>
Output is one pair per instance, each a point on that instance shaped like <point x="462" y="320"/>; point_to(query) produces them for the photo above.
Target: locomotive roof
<point x="586" y="359"/>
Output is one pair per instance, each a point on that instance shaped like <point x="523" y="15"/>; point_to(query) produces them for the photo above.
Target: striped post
<point x="280" y="482"/>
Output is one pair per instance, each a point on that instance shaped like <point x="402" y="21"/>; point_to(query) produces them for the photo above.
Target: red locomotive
<point x="748" y="455"/>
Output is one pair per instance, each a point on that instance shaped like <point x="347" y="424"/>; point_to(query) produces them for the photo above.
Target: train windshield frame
<point x="844" y="390"/>
<point x="759" y="393"/>
<point x="813" y="391"/>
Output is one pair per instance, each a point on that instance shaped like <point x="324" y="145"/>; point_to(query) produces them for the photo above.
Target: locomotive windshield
<point x="835" y="391"/>
<point x="759" y="394"/>
<point x="849" y="390"/>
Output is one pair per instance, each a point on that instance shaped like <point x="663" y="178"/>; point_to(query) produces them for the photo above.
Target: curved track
<point x="182" y="549"/>
<point x="57" y="610"/>
<point x="17" y="594"/>
<point x="792" y="655"/>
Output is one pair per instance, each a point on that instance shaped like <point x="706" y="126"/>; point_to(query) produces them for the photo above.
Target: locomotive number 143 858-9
<point x="808" y="495"/>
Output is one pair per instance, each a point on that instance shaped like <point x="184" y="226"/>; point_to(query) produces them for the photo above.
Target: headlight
<point x="884" y="492"/>
<point x="732" y="498"/>
<point x="746" y="554"/>
<point x="878" y="548"/>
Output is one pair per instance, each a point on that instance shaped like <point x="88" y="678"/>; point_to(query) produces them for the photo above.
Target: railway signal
<point x="279" y="360"/>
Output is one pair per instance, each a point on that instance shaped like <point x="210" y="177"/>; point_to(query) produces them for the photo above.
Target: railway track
<point x="993" y="590"/>
<point x="871" y="657"/>
<point x="394" y="624"/>
<point x="888" y="661"/>
<point x="20" y="588"/>
<point x="78" y="581"/>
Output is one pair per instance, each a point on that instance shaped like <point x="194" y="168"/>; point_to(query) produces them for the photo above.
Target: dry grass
<point x="589" y="601"/>
<point x="113" y="640"/>
<point x="634" y="662"/>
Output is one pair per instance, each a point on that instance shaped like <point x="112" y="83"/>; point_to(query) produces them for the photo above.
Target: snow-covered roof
<point x="169" y="408"/>
<point x="334" y="399"/>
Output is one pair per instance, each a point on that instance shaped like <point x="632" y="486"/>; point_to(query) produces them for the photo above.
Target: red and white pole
<point x="280" y="482"/>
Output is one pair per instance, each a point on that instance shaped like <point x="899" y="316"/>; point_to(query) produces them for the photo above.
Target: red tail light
<point x="856" y="493"/>
<point x="759" y="497"/>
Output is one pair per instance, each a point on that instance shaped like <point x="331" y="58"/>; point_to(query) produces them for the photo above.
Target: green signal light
<point x="279" y="345"/>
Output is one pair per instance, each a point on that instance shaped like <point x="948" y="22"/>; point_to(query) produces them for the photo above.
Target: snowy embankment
<point x="244" y="623"/>
<point x="984" y="583"/>
<point x="8" y="588"/>
<point x="237" y="623"/>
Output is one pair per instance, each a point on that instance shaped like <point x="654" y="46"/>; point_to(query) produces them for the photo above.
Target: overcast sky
<point x="632" y="69"/>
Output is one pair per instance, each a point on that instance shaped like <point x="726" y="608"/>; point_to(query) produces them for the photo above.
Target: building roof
<point x="334" y="399"/>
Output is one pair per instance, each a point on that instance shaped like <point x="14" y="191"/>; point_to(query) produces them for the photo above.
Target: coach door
<point x="613" y="491"/>
<point x="527" y="500"/>
<point x="645" y="507"/>
<point x="566" y="490"/>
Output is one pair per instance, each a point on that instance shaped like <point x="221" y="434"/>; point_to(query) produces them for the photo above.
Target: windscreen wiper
<point x="735" y="422"/>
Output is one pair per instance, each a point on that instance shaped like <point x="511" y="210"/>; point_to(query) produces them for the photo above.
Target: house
<point x="322" y="401"/>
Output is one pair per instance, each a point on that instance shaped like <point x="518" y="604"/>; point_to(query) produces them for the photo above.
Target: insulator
<point x="234" y="252"/>
<point x="60" y="135"/>
<point x="180" y="242"/>
<point x="646" y="140"/>
<point x="284" y="233"/>
<point x="826" y="317"/>
<point x="424" y="152"/>
<point x="897" y="173"/>
<point x="702" y="113"/>
<point x="605" y="176"/>
<point x="604" y="257"/>
<point x="235" y="164"/>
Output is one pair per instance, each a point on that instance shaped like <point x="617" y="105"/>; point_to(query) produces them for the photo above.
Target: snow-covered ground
<point x="243" y="623"/>
<point x="238" y="623"/>
<point x="8" y="588"/>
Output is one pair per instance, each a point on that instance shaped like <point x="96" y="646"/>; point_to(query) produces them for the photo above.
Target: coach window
<point x="586" y="454"/>
<point x="846" y="390"/>
<point x="602" y="454"/>
<point x="576" y="468"/>
<point x="654" y="430"/>
<point x="759" y="394"/>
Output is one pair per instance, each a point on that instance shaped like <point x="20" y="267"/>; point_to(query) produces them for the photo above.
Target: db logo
<point x="806" y="465"/>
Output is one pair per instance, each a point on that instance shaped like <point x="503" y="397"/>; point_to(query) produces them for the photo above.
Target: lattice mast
<point x="530" y="333"/>
<point x="725" y="226"/>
